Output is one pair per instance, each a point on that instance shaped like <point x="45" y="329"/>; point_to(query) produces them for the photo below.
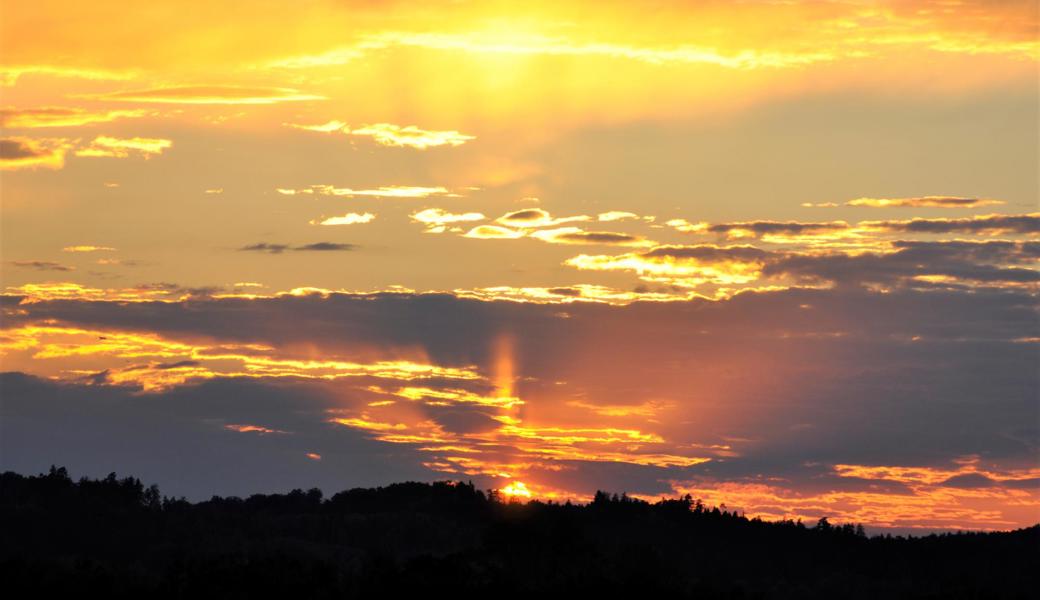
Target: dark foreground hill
<point x="117" y="538"/>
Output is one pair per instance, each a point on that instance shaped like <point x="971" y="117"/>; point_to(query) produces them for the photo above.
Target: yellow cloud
<point x="105" y="146"/>
<point x="347" y="219"/>
<point x="9" y="75"/>
<point x="388" y="134"/>
<point x="160" y="363"/>
<point x="514" y="42"/>
<point x="447" y="397"/>
<point x="323" y="128"/>
<point x="87" y="249"/>
<point x="437" y="220"/>
<point x="686" y="266"/>
<point x="411" y="136"/>
<point x="31" y="118"/>
<point x="616" y="215"/>
<point x="213" y="94"/>
<point x="687" y="227"/>
<point x="493" y="232"/>
<point x="386" y="191"/>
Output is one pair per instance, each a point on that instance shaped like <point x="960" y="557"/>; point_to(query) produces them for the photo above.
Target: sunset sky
<point x="777" y="254"/>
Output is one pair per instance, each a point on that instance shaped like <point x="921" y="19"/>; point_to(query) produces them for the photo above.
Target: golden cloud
<point x="347" y="219"/>
<point x="387" y="191"/>
<point x="437" y="220"/>
<point x="213" y="94"/>
<point x="160" y="363"/>
<point x="111" y="147"/>
<point x="87" y="249"/>
<point x="493" y="232"/>
<point x="535" y="217"/>
<point x="576" y="236"/>
<point x="32" y="118"/>
<point x="388" y="134"/>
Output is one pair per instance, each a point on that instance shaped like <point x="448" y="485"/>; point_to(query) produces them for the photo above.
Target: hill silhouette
<point x="117" y="538"/>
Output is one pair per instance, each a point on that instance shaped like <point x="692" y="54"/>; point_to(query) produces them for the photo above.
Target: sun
<point x="516" y="490"/>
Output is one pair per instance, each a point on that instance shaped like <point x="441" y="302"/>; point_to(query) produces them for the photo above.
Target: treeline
<point x="119" y="538"/>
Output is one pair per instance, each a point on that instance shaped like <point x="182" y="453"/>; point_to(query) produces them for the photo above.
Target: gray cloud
<point x="314" y="247"/>
<point x="326" y="247"/>
<point x="178" y="438"/>
<point x="15" y="149"/>
<point x="42" y="265"/>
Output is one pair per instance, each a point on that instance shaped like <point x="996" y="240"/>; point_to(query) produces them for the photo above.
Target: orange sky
<point x="781" y="255"/>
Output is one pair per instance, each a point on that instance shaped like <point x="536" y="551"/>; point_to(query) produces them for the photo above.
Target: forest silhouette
<point x="117" y="538"/>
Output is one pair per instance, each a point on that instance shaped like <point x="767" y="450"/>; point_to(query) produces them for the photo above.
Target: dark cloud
<point x="174" y="289"/>
<point x="326" y="247"/>
<point x="16" y="149"/>
<point x="566" y="291"/>
<point x="985" y="224"/>
<point x="1019" y="224"/>
<point x="42" y="265"/>
<point x="596" y="237"/>
<point x="969" y="481"/>
<point x="781" y="227"/>
<point x="176" y="365"/>
<point x="986" y="262"/>
<point x="265" y="247"/>
<point x="809" y="377"/>
<point x="315" y="247"/>
<point x="527" y="214"/>
<point x="463" y="419"/>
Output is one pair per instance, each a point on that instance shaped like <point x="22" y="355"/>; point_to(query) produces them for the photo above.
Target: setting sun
<point x="516" y="490"/>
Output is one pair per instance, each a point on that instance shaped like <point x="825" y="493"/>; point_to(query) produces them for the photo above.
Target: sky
<point x="781" y="255"/>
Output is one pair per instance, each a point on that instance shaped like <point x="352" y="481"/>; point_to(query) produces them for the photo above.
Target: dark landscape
<point x="117" y="538"/>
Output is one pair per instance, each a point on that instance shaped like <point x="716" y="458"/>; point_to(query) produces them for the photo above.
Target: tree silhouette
<point x="115" y="537"/>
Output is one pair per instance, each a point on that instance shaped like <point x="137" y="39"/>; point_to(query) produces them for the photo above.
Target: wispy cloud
<point x="493" y="232"/>
<point x="979" y="224"/>
<point x="326" y="247"/>
<point x="111" y="147"/>
<point x="437" y="220"/>
<point x="270" y="248"/>
<point x="10" y="74"/>
<point x="88" y="248"/>
<point x="485" y="43"/>
<point x="53" y="116"/>
<point x="41" y="265"/>
<point x="386" y="191"/>
<point x="619" y="215"/>
<point x="575" y="235"/>
<point x="347" y="219"/>
<point x="212" y="94"/>
<point x="924" y="202"/>
<point x="388" y="134"/>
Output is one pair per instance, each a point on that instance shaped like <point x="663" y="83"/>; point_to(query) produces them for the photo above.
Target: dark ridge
<point x="116" y="538"/>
